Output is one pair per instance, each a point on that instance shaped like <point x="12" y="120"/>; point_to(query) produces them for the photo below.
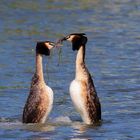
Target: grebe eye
<point x="68" y="37"/>
<point x="51" y="43"/>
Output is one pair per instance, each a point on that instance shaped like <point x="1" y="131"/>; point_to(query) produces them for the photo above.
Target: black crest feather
<point x="42" y="49"/>
<point x="78" y="40"/>
<point x="80" y="34"/>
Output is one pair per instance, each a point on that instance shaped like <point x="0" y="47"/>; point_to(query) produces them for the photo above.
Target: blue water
<point x="112" y="57"/>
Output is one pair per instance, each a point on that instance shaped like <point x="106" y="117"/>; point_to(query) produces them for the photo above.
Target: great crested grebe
<point x="40" y="100"/>
<point x="82" y="89"/>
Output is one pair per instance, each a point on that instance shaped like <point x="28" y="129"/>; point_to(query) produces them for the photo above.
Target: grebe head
<point x="77" y="40"/>
<point x="44" y="47"/>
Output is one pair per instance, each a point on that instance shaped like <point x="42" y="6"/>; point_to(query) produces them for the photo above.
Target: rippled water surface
<point x="112" y="57"/>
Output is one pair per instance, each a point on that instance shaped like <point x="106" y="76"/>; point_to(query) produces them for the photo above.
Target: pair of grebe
<point x="82" y="89"/>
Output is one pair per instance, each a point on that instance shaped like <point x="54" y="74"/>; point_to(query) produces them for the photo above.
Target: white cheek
<point x="71" y="38"/>
<point x="50" y="47"/>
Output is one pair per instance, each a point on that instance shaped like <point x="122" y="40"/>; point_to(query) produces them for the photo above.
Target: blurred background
<point x="112" y="57"/>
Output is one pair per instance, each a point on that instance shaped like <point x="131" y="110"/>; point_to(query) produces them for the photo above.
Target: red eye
<point x="68" y="37"/>
<point x="50" y="43"/>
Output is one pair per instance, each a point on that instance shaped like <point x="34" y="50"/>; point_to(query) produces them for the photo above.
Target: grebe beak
<point x="59" y="42"/>
<point x="63" y="39"/>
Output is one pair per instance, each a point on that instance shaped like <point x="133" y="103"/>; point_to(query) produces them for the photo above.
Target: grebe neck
<point x="39" y="67"/>
<point x="80" y="63"/>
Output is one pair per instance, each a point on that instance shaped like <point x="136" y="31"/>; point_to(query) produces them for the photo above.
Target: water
<point x="112" y="57"/>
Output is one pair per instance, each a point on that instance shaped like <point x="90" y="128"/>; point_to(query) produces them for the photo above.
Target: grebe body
<point x="40" y="100"/>
<point x="82" y="89"/>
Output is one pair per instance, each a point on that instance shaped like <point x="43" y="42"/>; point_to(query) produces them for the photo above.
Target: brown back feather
<point x="92" y="100"/>
<point x="36" y="105"/>
<point x="93" y="104"/>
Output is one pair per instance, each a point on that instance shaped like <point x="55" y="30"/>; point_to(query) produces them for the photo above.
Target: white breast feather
<point x="49" y="107"/>
<point x="75" y="93"/>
